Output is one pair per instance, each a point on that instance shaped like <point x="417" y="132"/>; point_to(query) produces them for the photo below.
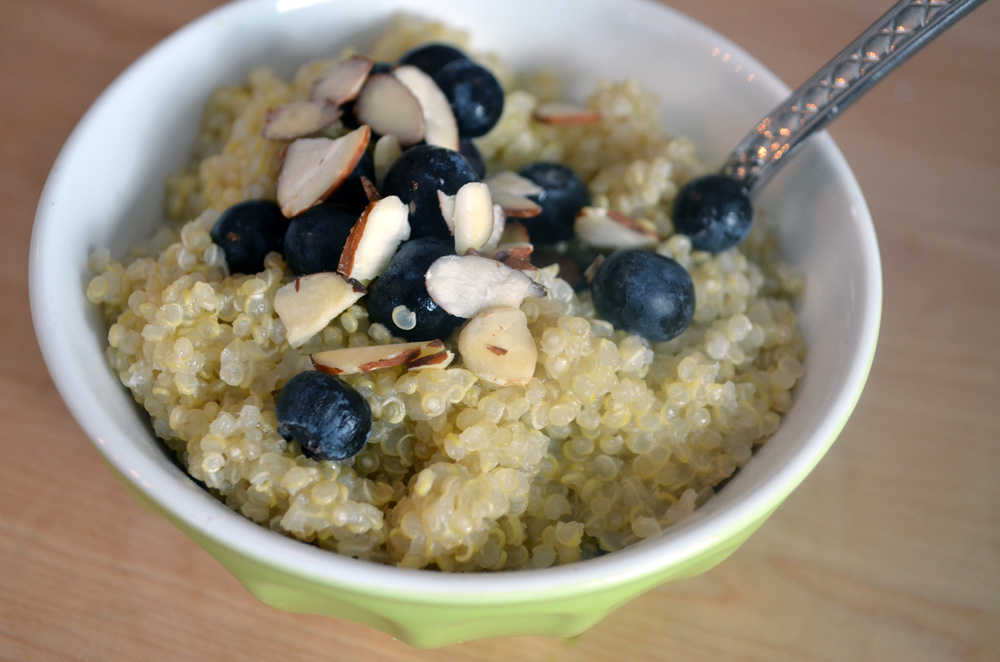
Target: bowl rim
<point x="212" y="519"/>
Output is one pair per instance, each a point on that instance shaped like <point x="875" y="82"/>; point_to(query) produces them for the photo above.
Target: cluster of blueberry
<point x="637" y="290"/>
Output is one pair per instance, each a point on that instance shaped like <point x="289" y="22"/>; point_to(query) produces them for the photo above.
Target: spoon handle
<point x="902" y="31"/>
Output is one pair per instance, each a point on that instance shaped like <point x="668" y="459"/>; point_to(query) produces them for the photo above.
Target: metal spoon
<point x="715" y="210"/>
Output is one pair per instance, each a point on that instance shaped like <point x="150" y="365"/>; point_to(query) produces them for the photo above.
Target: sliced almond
<point x="388" y="106"/>
<point x="343" y="81"/>
<point x="365" y="359"/>
<point x="499" y="223"/>
<point x="497" y="346"/>
<point x="313" y="168"/>
<point x="510" y="191"/>
<point x="447" y="204"/>
<point x="482" y="226"/>
<point x="307" y="304"/>
<point x="472" y="218"/>
<point x="508" y="181"/>
<point x="611" y="230"/>
<point x="516" y="256"/>
<point x="591" y="270"/>
<point x="517" y="206"/>
<point x="373" y="240"/>
<point x="371" y="191"/>
<point x="387" y="150"/>
<point x="561" y="112"/>
<point x="441" y="359"/>
<point x="439" y="120"/>
<point x="464" y="285"/>
<point x="515" y="233"/>
<point x="299" y="119"/>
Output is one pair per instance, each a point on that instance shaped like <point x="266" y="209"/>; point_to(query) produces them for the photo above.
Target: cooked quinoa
<point x="614" y="438"/>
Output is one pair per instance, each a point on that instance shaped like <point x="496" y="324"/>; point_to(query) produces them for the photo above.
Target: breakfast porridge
<point x="451" y="370"/>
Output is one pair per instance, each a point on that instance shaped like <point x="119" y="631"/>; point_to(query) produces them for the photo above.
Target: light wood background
<point x="890" y="550"/>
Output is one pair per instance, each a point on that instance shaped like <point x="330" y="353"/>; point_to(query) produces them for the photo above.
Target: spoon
<point x="716" y="210"/>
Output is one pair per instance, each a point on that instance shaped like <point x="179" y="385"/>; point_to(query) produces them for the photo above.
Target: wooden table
<point x="890" y="550"/>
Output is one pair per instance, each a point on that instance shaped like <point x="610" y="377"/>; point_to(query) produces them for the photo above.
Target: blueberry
<point x="247" y="232"/>
<point x="468" y="149"/>
<point x="348" y="118"/>
<point x="417" y="175"/>
<point x="644" y="293"/>
<point x="351" y="194"/>
<point x="715" y="211"/>
<point x="564" y="195"/>
<point x="328" y="418"/>
<point x="403" y="284"/>
<point x="316" y="237"/>
<point x="429" y="58"/>
<point x="475" y="95"/>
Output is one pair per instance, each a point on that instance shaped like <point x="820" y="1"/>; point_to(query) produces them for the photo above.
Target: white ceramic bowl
<point x="103" y="191"/>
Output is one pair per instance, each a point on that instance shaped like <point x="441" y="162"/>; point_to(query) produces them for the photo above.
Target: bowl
<point x="139" y="130"/>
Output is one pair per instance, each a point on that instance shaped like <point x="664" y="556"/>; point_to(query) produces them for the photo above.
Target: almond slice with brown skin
<point x="313" y="168"/>
<point x="591" y="270"/>
<point x="307" y="304"/>
<point x="517" y="206"/>
<point x="439" y="120"/>
<point x="343" y="81"/>
<point x="463" y="285"/>
<point x="611" y="230"/>
<point x="521" y="264"/>
<point x="514" y="232"/>
<point x="509" y="181"/>
<point x="439" y="360"/>
<point x="497" y="346"/>
<point x="371" y="191"/>
<point x="510" y="191"/>
<point x="373" y="240"/>
<point x="299" y="119"/>
<point x="561" y="112"/>
<point x="353" y="360"/>
<point x="388" y="106"/>
<point x="517" y="256"/>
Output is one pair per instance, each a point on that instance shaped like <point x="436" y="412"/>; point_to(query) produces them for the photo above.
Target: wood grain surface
<point x="890" y="550"/>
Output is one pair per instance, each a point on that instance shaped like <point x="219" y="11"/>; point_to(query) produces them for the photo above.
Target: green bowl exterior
<point x="434" y="620"/>
<point x="431" y="620"/>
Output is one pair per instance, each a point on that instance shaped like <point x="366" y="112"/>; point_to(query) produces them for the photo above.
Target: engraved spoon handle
<point x="902" y="31"/>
